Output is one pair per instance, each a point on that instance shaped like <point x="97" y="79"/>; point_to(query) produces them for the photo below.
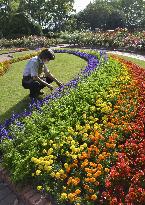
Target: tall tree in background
<point x="100" y="14"/>
<point x="134" y="11"/>
<point x="110" y="14"/>
<point x="48" y="12"/>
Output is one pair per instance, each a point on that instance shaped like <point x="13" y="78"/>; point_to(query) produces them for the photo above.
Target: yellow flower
<point x="44" y="151"/>
<point x="48" y="168"/>
<point x="61" y="171"/>
<point x="38" y="172"/>
<point x="33" y="174"/>
<point x="85" y="145"/>
<point x="71" y="196"/>
<point x="73" y="148"/>
<point x="52" y="174"/>
<point x="51" y="161"/>
<point x="85" y="135"/>
<point x="73" y="142"/>
<point x="66" y="165"/>
<point x="55" y="145"/>
<point x="70" y="130"/>
<point x="92" y="108"/>
<point x="39" y="188"/>
<point x="50" y="151"/>
<point x="33" y="159"/>
<point x="84" y="116"/>
<point x="74" y="156"/>
<point x="63" y="196"/>
<point x="51" y="156"/>
<point x="44" y="144"/>
<point x="64" y="187"/>
<point x="70" y="138"/>
<point x="87" y="126"/>
<point x="40" y="167"/>
<point x="57" y="175"/>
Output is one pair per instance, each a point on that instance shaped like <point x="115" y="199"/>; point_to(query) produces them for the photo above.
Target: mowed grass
<point x="14" y="98"/>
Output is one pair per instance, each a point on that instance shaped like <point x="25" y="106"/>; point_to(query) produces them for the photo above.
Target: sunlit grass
<point x="14" y="98"/>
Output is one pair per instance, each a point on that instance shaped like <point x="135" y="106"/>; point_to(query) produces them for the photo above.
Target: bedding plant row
<point x="119" y="38"/>
<point x="4" y="66"/>
<point x="85" y="144"/>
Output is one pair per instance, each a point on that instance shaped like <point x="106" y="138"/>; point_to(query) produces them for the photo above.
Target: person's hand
<point x="50" y="87"/>
<point x="59" y="84"/>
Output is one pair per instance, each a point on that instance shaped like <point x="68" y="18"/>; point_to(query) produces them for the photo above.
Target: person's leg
<point x="35" y="88"/>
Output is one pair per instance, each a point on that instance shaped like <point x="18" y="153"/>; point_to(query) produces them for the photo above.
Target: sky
<point x="81" y="4"/>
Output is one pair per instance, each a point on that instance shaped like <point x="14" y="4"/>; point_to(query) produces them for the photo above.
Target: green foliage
<point x="113" y="14"/>
<point x="65" y="67"/>
<point x="20" y="24"/>
<point x="56" y="118"/>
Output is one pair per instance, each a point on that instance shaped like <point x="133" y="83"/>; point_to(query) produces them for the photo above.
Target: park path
<point x="4" y="57"/>
<point x="8" y="56"/>
<point x="133" y="55"/>
<point x="7" y="196"/>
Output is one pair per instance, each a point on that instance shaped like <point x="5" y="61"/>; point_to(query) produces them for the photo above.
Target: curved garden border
<point x="93" y="62"/>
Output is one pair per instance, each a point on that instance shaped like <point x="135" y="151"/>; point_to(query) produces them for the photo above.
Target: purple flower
<point x="93" y="63"/>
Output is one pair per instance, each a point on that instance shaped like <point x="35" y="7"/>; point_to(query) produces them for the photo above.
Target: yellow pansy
<point x="38" y="172"/>
<point x="39" y="188"/>
<point x="63" y="196"/>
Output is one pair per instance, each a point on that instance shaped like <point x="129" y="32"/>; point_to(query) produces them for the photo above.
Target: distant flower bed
<point x="117" y="39"/>
<point x="4" y="66"/>
<point x="28" y="42"/>
<point x="84" y="144"/>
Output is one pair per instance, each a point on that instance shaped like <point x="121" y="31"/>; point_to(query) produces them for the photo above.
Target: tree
<point x="134" y="11"/>
<point x="48" y="13"/>
<point x="96" y="14"/>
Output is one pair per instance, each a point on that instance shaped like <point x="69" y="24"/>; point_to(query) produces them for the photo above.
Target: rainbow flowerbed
<point x="84" y="144"/>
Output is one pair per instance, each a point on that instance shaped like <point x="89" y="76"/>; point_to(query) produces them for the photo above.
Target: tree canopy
<point x="31" y="17"/>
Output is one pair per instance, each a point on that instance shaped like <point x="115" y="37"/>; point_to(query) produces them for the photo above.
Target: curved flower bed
<point x="126" y="180"/>
<point x="115" y="39"/>
<point x="93" y="62"/>
<point x="87" y="146"/>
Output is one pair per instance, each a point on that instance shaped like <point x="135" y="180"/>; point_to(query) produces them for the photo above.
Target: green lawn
<point x="13" y="97"/>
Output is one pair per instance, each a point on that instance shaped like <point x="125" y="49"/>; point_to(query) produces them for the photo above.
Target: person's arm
<point x="43" y="82"/>
<point x="34" y="73"/>
<point x="48" y="74"/>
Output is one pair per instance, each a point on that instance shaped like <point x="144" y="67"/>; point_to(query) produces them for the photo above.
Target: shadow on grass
<point x="17" y="109"/>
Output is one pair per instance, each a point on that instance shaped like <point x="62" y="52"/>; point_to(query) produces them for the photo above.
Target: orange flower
<point x="71" y="196"/>
<point x="78" y="191"/>
<point x="98" y="173"/>
<point x="97" y="134"/>
<point x="86" y="186"/>
<point x="92" y="180"/>
<point x="68" y="169"/>
<point x="94" y="197"/>
<point x="107" y="170"/>
<point x="89" y="175"/>
<point x="101" y="157"/>
<point x="100" y="166"/>
<point x="91" y="191"/>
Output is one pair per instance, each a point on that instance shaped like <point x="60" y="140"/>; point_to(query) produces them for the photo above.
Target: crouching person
<point x="36" y="75"/>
